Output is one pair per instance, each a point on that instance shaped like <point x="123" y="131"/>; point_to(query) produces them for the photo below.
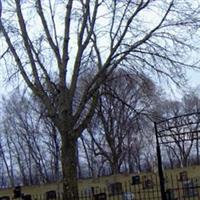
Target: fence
<point x="147" y="189"/>
<point x="134" y="188"/>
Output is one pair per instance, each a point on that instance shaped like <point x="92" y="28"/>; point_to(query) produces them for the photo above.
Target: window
<point x="51" y="195"/>
<point x="100" y="196"/>
<point x="128" y="196"/>
<point x="170" y="194"/>
<point x="17" y="192"/>
<point x="5" y="198"/>
<point x="135" y="180"/>
<point x="27" y="197"/>
<point x="183" y="176"/>
<point x="147" y="183"/>
<point x="115" y="188"/>
<point x="89" y="191"/>
<point x="190" y="189"/>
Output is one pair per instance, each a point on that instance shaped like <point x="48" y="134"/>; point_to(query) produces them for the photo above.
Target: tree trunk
<point x="197" y="149"/>
<point x="69" y="167"/>
<point x="115" y="168"/>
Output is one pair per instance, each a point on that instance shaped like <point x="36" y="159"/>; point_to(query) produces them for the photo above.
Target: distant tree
<point x="7" y="161"/>
<point x="94" y="165"/>
<point x="181" y="146"/>
<point x="73" y="37"/>
<point x="117" y="128"/>
<point x="141" y="145"/>
<point x="30" y="141"/>
<point x="191" y="101"/>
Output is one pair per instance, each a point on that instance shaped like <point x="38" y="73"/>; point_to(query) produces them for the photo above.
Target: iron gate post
<point x="160" y="169"/>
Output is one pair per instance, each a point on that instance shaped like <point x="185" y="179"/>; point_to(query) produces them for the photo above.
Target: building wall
<point x="143" y="185"/>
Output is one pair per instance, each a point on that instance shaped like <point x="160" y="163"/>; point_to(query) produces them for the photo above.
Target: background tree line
<point x="120" y="137"/>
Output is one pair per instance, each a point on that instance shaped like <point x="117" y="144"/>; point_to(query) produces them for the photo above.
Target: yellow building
<point x="182" y="183"/>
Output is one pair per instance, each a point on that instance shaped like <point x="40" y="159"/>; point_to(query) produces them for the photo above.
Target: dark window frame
<point x="147" y="183"/>
<point x="136" y="180"/>
<point x="190" y="189"/>
<point x="115" y="188"/>
<point x="51" y="194"/>
<point x="183" y="176"/>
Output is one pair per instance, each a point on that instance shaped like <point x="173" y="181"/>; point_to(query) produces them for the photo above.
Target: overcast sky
<point x="194" y="78"/>
<point x="176" y="93"/>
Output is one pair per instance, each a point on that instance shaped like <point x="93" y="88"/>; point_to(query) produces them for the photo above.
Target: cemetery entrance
<point x="181" y="130"/>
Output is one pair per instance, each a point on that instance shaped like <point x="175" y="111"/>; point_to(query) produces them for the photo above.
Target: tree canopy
<point x="53" y="44"/>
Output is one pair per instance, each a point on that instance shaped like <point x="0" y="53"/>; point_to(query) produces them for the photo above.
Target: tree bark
<point x="69" y="167"/>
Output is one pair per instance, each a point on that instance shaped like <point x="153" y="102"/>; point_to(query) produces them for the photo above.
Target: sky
<point x="176" y="93"/>
<point x="193" y="77"/>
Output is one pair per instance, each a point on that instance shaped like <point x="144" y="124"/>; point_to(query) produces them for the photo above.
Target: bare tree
<point x="93" y="165"/>
<point x="181" y="139"/>
<point x="97" y="36"/>
<point x="31" y="142"/>
<point x="191" y="102"/>
<point x="117" y="128"/>
<point x="7" y="153"/>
